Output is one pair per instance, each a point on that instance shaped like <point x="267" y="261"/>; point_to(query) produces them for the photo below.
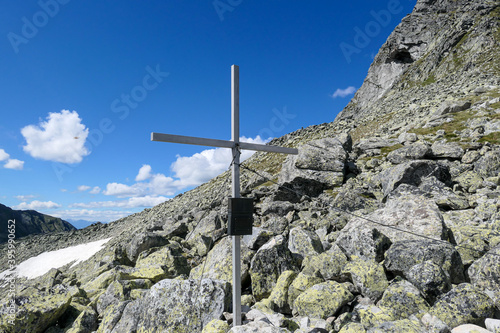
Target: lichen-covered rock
<point x="111" y="316"/>
<point x="371" y="315"/>
<point x="399" y="326"/>
<point x="368" y="277"/>
<point x="258" y="327"/>
<point x="404" y="211"/>
<point x="364" y="242"/>
<point x="412" y="173"/>
<point x="258" y="238"/>
<point x="322" y="300"/>
<point x="187" y="305"/>
<point x="142" y="242"/>
<point x="166" y="262"/>
<point x="303" y="243"/>
<point x="469" y="181"/>
<point x="300" y="284"/>
<point x="86" y="322"/>
<point x="484" y="273"/>
<point x="445" y="149"/>
<point x="489" y="164"/>
<point x="219" y="263"/>
<point x="322" y="161"/>
<point x="353" y="328"/>
<point x="404" y="299"/>
<point x="328" y="264"/>
<point x="474" y="240"/>
<point x="463" y="304"/>
<point x="279" y="295"/>
<point x="272" y="259"/>
<point x="430" y="279"/>
<point x="36" y="310"/>
<point x="209" y="229"/>
<point x="216" y="326"/>
<point x="405" y="254"/>
<point x="415" y="151"/>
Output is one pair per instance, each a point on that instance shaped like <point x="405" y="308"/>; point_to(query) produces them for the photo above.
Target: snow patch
<point x="41" y="264"/>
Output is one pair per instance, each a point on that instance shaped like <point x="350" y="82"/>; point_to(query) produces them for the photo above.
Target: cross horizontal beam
<point x="191" y="140"/>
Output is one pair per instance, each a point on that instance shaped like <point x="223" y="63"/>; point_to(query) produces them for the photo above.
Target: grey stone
<point x="405" y="254"/>
<point x="489" y="164"/>
<point x="142" y="242"/>
<point x="258" y="238"/>
<point x="463" y="304"/>
<point x="430" y="279"/>
<point x="484" y="273"/>
<point x="415" y="151"/>
<point x="412" y="173"/>
<point x="450" y="150"/>
<point x="328" y="264"/>
<point x="303" y="243"/>
<point x="272" y="259"/>
<point x="492" y="324"/>
<point x="181" y="304"/>
<point x="404" y="299"/>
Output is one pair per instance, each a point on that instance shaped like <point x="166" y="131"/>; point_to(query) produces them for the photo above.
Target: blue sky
<point x="84" y="83"/>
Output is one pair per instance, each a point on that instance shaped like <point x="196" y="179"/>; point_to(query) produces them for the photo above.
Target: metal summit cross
<point x="235" y="145"/>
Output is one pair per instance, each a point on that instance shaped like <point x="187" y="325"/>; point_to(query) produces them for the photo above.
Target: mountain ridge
<point x="28" y="222"/>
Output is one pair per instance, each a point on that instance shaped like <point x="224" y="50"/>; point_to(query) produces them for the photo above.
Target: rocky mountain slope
<point x="29" y="222"/>
<point x="387" y="220"/>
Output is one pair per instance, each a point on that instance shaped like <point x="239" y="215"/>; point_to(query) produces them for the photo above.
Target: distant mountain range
<point x="29" y="222"/>
<point x="80" y="224"/>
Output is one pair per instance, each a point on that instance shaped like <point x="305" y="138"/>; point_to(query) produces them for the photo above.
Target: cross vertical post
<point x="235" y="146"/>
<point x="235" y="137"/>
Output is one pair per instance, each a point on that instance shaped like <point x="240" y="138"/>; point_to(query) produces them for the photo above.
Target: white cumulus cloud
<point x="344" y="92"/>
<point x="201" y="167"/>
<point x="95" y="190"/>
<point x="135" y="202"/>
<point x="60" y="139"/>
<point x="14" y="164"/>
<point x="36" y="205"/>
<point x="144" y="173"/>
<point x="10" y="163"/>
<point x="3" y="155"/>
<point x="83" y="188"/>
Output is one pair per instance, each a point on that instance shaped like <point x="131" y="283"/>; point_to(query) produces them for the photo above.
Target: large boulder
<point x="142" y="242"/>
<point x="328" y="264"/>
<point x="321" y="161"/>
<point x="279" y="296"/>
<point x="412" y="173"/>
<point x="36" y="310"/>
<point x="463" y="304"/>
<point x="272" y="259"/>
<point x="186" y="305"/>
<point x="403" y="255"/>
<point x="404" y="217"/>
<point x="489" y="164"/>
<point x="415" y="151"/>
<point x="404" y="299"/>
<point x="218" y="264"/>
<point x="368" y="277"/>
<point x="484" y="273"/>
<point x="303" y="243"/>
<point x="322" y="300"/>
<point x="430" y="279"/>
<point x="165" y="263"/>
<point x="449" y="150"/>
<point x="300" y="284"/>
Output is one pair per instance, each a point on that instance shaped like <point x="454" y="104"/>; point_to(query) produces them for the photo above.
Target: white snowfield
<point x="41" y="264"/>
